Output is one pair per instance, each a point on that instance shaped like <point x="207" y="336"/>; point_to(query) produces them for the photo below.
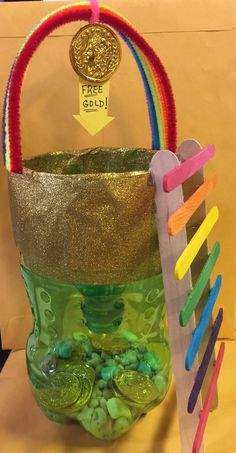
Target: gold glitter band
<point x="86" y="216"/>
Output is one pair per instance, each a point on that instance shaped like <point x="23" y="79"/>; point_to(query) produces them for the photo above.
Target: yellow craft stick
<point x="185" y="260"/>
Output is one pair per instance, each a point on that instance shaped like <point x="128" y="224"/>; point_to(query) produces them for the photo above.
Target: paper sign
<point x="93" y="102"/>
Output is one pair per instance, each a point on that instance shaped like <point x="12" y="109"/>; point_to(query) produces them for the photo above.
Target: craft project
<point x="94" y="252"/>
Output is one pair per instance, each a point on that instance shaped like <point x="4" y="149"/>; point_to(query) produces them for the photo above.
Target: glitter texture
<point x="86" y="216"/>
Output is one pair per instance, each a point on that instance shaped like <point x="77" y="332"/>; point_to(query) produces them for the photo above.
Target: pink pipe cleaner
<point x="95" y="11"/>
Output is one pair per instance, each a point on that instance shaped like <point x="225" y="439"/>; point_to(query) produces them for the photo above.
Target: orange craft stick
<point x="180" y="217"/>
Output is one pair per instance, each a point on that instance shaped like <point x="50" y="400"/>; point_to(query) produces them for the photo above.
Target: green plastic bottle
<point x="98" y="354"/>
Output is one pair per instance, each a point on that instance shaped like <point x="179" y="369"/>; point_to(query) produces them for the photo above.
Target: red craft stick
<point x="208" y="401"/>
<point x="179" y="174"/>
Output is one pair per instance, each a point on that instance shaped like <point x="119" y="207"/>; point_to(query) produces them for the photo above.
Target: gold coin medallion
<point x="82" y="371"/>
<point x="95" y="52"/>
<point x="60" y="391"/>
<point x="109" y="343"/>
<point x="135" y="388"/>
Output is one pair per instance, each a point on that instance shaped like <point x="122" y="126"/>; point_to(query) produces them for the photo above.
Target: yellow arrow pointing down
<point x="93" y="100"/>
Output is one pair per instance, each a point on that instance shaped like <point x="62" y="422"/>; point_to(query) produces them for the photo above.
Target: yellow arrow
<point x="93" y="100"/>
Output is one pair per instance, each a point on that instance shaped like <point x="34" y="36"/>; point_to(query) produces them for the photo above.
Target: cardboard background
<point x="196" y="42"/>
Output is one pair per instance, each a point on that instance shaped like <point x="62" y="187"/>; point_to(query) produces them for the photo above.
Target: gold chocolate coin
<point x="135" y="388"/>
<point x="95" y="52"/>
<point x="62" y="390"/>
<point x="82" y="371"/>
<point x="109" y="343"/>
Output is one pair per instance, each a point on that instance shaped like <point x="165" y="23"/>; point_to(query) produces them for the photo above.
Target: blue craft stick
<point x="205" y="362"/>
<point x="200" y="329"/>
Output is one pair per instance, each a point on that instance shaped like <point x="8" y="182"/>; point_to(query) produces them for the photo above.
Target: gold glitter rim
<point x="72" y="58"/>
<point x="94" y="228"/>
<point x="84" y="176"/>
<point x="128" y="174"/>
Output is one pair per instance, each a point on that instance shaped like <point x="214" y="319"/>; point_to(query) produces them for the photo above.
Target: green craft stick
<point x="197" y="292"/>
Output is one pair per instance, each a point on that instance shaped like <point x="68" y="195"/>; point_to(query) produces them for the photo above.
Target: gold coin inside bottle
<point x="95" y="53"/>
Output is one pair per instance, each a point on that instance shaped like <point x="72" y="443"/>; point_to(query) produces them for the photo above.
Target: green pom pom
<point x="144" y="368"/>
<point x="160" y="382"/>
<point x="85" y="415"/>
<point x="96" y="390"/>
<point x="123" y="360"/>
<point x="128" y="357"/>
<point x="120" y="367"/>
<point x="98" y="370"/>
<point x="103" y="403"/>
<point x="65" y="349"/>
<point x="105" y="356"/>
<point x="107" y="393"/>
<point x="132" y="355"/>
<point x="133" y="366"/>
<point x="121" y="425"/>
<point x="111" y="362"/>
<point x="152" y="360"/>
<point x="94" y="403"/>
<point x="81" y="338"/>
<point x="87" y="347"/>
<point x="102" y="383"/>
<point x="109" y="372"/>
<point x="117" y="408"/>
<point x="117" y="358"/>
<point x="129" y="336"/>
<point x="95" y="360"/>
<point x="99" y="418"/>
<point x="142" y="348"/>
<point x="96" y="356"/>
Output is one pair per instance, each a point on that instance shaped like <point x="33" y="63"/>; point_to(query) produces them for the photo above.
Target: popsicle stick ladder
<point x="183" y="229"/>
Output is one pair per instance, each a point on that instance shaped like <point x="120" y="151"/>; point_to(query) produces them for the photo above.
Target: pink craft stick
<point x="208" y="401"/>
<point x="179" y="174"/>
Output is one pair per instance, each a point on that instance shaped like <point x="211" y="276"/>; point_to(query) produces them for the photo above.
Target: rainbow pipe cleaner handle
<point x="160" y="100"/>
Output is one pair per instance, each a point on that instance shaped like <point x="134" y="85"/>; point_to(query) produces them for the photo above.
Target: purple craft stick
<point x="205" y="362"/>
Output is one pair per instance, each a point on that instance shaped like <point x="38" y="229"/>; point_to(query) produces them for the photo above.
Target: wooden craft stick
<point x="181" y="217"/>
<point x="208" y="401"/>
<point x="200" y="329"/>
<point x="205" y="362"/>
<point x="177" y="176"/>
<point x="185" y="260"/>
<point x="175" y="293"/>
<point x="199" y="287"/>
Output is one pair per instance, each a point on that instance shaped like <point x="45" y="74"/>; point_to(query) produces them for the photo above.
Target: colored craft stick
<point x="208" y="401"/>
<point x="205" y="362"/>
<point x="200" y="329"/>
<point x="185" y="260"/>
<point x="180" y="217"/>
<point x="197" y="292"/>
<point x="184" y="171"/>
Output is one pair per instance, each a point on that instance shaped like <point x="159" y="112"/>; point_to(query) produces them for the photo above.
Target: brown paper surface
<point x="196" y="42"/>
